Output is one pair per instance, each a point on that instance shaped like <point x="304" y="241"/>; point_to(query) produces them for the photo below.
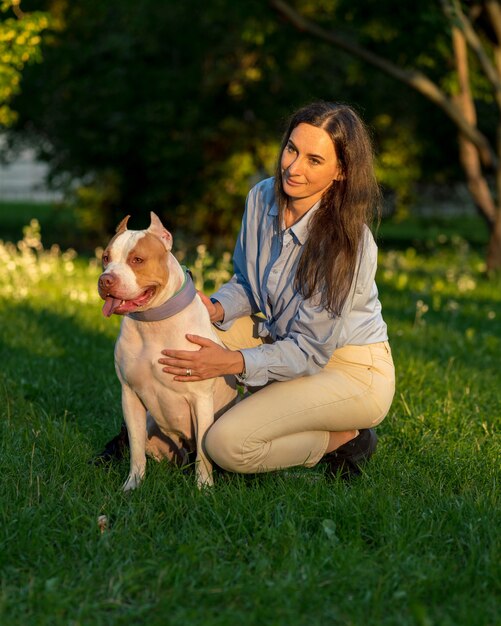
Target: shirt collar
<point x="300" y="228"/>
<point x="273" y="210"/>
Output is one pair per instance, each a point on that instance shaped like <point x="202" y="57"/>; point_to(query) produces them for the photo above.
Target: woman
<point x="305" y="260"/>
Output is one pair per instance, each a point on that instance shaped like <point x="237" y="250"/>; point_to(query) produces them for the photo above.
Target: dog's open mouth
<point x="121" y="307"/>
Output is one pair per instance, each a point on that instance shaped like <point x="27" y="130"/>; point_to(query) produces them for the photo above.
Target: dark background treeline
<point x="179" y="106"/>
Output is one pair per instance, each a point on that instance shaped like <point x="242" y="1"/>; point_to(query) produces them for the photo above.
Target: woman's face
<point x="309" y="165"/>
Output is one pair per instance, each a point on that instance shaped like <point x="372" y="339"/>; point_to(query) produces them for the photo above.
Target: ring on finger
<point x="188" y="371"/>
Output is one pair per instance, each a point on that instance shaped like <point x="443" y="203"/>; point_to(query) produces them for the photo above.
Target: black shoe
<point x="115" y="449"/>
<point x="346" y="460"/>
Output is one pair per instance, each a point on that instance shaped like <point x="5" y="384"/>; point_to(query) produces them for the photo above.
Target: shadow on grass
<point x="62" y="368"/>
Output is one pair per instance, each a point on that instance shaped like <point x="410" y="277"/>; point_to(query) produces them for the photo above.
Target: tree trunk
<point x="475" y="150"/>
<point x="494" y="249"/>
<point x="469" y="156"/>
<point x="412" y="77"/>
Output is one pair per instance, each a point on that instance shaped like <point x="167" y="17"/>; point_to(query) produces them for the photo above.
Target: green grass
<point x="414" y="541"/>
<point x="423" y="232"/>
<point x="15" y="215"/>
<point x="58" y="221"/>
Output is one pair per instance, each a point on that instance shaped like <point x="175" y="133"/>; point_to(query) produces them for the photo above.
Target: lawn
<point x="14" y="215"/>
<point x="413" y="541"/>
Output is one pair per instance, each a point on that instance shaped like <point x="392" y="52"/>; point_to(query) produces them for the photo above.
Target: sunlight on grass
<point x="27" y="269"/>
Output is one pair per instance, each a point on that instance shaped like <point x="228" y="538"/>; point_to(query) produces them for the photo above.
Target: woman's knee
<point x="220" y="447"/>
<point x="224" y="446"/>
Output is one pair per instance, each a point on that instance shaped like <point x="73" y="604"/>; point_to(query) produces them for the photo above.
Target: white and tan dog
<point x="144" y="282"/>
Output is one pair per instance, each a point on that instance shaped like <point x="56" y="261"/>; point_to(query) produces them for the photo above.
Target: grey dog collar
<point x="179" y="301"/>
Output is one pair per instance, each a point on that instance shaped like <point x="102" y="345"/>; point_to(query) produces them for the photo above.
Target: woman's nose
<point x="295" y="166"/>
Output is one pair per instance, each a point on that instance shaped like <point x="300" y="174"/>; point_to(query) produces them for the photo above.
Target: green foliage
<point x="154" y="121"/>
<point x="398" y="162"/>
<point x="20" y="42"/>
<point x="146" y="119"/>
<point x="414" y="541"/>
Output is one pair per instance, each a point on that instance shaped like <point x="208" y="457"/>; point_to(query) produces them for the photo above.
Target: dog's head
<point x="135" y="267"/>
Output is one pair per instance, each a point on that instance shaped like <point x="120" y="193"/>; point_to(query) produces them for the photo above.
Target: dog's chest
<point x="136" y="357"/>
<point x="166" y="400"/>
<point x="137" y="364"/>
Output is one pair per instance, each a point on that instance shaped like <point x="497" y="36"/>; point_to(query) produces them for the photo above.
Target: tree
<point x="133" y="115"/>
<point x="160" y="106"/>
<point x="163" y="107"/>
<point x="20" y="42"/>
<point x="475" y="37"/>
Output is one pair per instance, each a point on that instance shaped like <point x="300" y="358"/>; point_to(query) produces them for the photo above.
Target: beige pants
<point x="285" y="424"/>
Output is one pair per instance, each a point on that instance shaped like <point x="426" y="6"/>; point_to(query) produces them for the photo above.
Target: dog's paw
<point x="133" y="481"/>
<point x="204" y="476"/>
<point x="207" y="483"/>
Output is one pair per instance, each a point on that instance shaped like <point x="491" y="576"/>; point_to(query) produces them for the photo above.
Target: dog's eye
<point x="137" y="260"/>
<point x="106" y="258"/>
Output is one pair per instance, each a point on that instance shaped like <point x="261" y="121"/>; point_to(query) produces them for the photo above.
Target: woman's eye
<point x="290" y="149"/>
<point x="314" y="161"/>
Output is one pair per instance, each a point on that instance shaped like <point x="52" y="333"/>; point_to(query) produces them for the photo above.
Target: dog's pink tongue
<point x="110" y="304"/>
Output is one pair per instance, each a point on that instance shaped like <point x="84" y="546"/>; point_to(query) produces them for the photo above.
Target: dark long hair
<point x="336" y="231"/>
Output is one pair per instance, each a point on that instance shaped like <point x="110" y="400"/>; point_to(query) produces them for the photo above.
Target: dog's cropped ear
<point x="122" y="227"/>
<point x="158" y="229"/>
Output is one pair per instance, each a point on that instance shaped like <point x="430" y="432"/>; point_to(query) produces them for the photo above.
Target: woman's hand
<point x="216" y="311"/>
<point x="210" y="361"/>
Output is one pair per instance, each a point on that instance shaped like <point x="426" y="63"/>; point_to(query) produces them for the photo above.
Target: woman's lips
<point x="293" y="183"/>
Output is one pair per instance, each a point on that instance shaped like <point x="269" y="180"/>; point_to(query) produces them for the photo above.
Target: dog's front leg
<point x="135" y="417"/>
<point x="204" y="418"/>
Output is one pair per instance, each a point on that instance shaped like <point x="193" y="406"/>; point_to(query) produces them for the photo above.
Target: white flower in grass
<point x="450" y="275"/>
<point x="421" y="309"/>
<point x="69" y="255"/>
<point x="45" y="268"/>
<point x="466" y="283"/>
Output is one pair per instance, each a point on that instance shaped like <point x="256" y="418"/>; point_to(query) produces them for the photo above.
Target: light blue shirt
<point x="304" y="334"/>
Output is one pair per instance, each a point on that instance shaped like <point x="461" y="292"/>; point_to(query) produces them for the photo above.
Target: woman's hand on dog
<point x="209" y="361"/>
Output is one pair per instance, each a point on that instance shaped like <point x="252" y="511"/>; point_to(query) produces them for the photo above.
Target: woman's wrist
<point x="242" y="374"/>
<point x="239" y="364"/>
